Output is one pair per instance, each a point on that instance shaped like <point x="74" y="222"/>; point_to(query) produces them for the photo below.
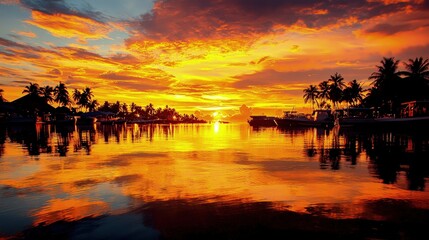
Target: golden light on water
<point x="152" y="163"/>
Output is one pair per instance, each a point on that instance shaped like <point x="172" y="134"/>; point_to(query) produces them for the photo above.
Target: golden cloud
<point x="69" y="26"/>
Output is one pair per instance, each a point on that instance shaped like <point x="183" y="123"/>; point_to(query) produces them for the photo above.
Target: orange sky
<point x="204" y="55"/>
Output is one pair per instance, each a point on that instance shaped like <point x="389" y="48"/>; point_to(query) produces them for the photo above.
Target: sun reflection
<point x="216" y="127"/>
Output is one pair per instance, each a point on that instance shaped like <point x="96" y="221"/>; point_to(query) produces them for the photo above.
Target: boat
<point x="86" y="119"/>
<point x="319" y="118"/>
<point x="262" y="121"/>
<point x="60" y="118"/>
<point x="111" y="120"/>
<point x="356" y="116"/>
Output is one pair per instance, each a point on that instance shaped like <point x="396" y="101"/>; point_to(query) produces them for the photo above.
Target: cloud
<point x="68" y="21"/>
<point x="13" y="51"/>
<point x="296" y="79"/>
<point x="21" y="82"/>
<point x="27" y="34"/>
<point x="70" y="26"/>
<point x="125" y="59"/>
<point x="55" y="71"/>
<point x="9" y="2"/>
<point x="61" y="7"/>
<point x="127" y="80"/>
<point x="195" y="19"/>
<point x="389" y="29"/>
<point x="405" y="21"/>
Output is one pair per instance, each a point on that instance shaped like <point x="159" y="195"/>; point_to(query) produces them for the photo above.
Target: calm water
<point x="211" y="181"/>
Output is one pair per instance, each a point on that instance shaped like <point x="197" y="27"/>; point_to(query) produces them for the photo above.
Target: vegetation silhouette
<point x="83" y="101"/>
<point x="389" y="87"/>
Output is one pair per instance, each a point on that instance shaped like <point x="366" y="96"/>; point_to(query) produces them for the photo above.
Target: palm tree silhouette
<point x="92" y="105"/>
<point x="32" y="89"/>
<point x="324" y="90"/>
<point x="336" y="86"/>
<point x="133" y="107"/>
<point x="47" y="93"/>
<point x="124" y="108"/>
<point x="88" y="92"/>
<point x="310" y="94"/>
<point x="61" y="95"/>
<point x="84" y="99"/>
<point x="387" y="82"/>
<point x="337" y="81"/>
<point x="76" y="95"/>
<point x="150" y="110"/>
<point x="417" y="77"/>
<point x="354" y="93"/>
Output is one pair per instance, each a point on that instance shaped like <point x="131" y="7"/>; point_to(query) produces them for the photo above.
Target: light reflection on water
<point x="51" y="174"/>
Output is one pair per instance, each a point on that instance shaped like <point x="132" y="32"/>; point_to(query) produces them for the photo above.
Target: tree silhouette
<point x="92" y="105"/>
<point x="84" y="99"/>
<point x="324" y="90"/>
<point x="124" y="108"/>
<point x="336" y="85"/>
<point x="32" y="89"/>
<point x="47" y="93"/>
<point x="310" y="94"/>
<point x="387" y="83"/>
<point x="416" y="77"/>
<point x="133" y="107"/>
<point x="61" y="95"/>
<point x="353" y="93"/>
<point x="76" y="95"/>
<point x="150" y="110"/>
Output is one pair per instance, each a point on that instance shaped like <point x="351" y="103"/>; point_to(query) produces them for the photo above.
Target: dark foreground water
<point x="212" y="181"/>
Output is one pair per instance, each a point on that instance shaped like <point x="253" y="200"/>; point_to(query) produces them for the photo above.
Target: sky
<point x="207" y="56"/>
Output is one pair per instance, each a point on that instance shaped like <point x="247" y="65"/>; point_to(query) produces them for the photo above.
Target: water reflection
<point x="391" y="154"/>
<point x="149" y="176"/>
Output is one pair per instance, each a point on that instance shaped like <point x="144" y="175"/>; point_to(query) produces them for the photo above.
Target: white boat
<point x="319" y="118"/>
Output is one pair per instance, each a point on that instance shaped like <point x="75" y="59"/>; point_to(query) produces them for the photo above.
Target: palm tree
<point x="337" y="81"/>
<point x="417" y="77"/>
<point x="83" y="99"/>
<point x="88" y="93"/>
<point x="336" y="86"/>
<point x="124" y="108"/>
<point x="32" y="89"/>
<point x="324" y="90"/>
<point x="86" y="97"/>
<point x="373" y="98"/>
<point x="310" y="94"/>
<point x="150" y="110"/>
<point x="93" y="105"/>
<point x="387" y="82"/>
<point x="133" y="107"/>
<point x="76" y="95"/>
<point x="356" y="92"/>
<point x="61" y="95"/>
<point x="47" y="93"/>
<point x="1" y="95"/>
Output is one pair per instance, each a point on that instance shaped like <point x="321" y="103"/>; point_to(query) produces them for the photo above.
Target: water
<point x="211" y="181"/>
